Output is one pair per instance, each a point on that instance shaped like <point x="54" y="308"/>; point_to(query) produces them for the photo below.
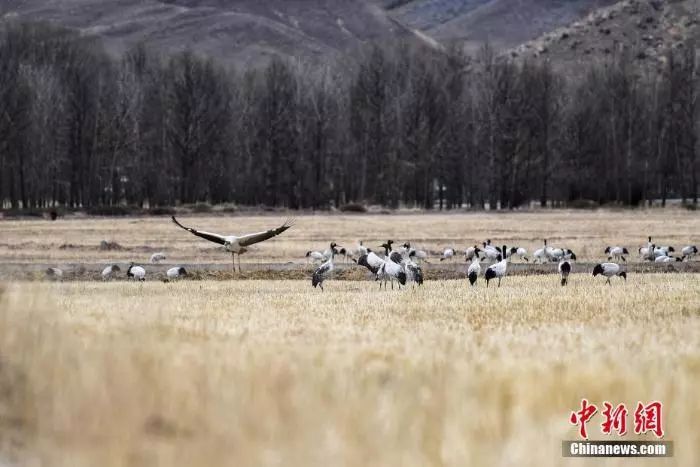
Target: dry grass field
<point x="586" y="232"/>
<point x="275" y="373"/>
<point x="269" y="373"/>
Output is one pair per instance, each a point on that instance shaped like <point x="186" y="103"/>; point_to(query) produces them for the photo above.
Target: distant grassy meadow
<point x="265" y="372"/>
<point x="586" y="232"/>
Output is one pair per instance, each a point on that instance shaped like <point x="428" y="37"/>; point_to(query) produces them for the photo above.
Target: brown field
<point x="586" y="232"/>
<point x="270" y="373"/>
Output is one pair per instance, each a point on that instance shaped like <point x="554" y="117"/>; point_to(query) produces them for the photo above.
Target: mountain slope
<point x="240" y="31"/>
<point x="249" y="32"/>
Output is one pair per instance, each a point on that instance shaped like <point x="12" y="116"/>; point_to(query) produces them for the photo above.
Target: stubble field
<point x="586" y="232"/>
<point x="264" y="372"/>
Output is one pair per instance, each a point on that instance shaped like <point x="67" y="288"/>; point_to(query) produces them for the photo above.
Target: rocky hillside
<point x="504" y="23"/>
<point x="648" y="29"/>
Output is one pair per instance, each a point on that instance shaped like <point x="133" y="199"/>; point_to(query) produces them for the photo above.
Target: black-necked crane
<point x="497" y="270"/>
<point x="237" y="245"/>
<point x="361" y="250"/>
<point x="447" y="254"/>
<point x="520" y="252"/>
<point x="539" y="256"/>
<point x="413" y="253"/>
<point x="136" y="272"/>
<point x="474" y="270"/>
<point x="569" y="254"/>
<point x="158" y="257"/>
<point x="55" y="274"/>
<point x="491" y="252"/>
<point x="392" y="270"/>
<point x="321" y="256"/>
<point x="689" y="252"/>
<point x="616" y="252"/>
<point x="176" y="273"/>
<point x="653" y="251"/>
<point x="646" y="253"/>
<point x="315" y="256"/>
<point x="487" y="243"/>
<point x="371" y="261"/>
<point x="564" y="271"/>
<point x="559" y="254"/>
<point x="325" y="270"/>
<point x="110" y="271"/>
<point x="472" y="252"/>
<point x="666" y="259"/>
<point x="609" y="270"/>
<point x="663" y="250"/>
<point x="413" y="271"/>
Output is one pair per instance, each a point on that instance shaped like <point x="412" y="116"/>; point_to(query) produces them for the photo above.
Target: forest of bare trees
<point x="395" y="125"/>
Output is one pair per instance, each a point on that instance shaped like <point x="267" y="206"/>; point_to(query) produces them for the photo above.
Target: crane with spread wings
<point x="237" y="245"/>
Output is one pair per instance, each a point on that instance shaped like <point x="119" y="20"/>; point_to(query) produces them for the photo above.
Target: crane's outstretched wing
<point x="250" y="239"/>
<point x="212" y="237"/>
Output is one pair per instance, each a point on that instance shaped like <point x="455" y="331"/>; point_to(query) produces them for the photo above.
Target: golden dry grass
<point x="586" y="232"/>
<point x="274" y="373"/>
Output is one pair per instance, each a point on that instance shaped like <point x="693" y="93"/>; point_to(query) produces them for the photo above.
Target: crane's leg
<point x="233" y="259"/>
<point x="608" y="281"/>
<point x="487" y="283"/>
<point x="499" y="281"/>
<point x="239" y="263"/>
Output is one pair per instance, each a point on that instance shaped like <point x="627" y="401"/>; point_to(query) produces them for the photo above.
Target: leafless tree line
<point x="396" y="125"/>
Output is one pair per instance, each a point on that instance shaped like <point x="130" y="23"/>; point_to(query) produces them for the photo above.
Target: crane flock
<point x="403" y="266"/>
